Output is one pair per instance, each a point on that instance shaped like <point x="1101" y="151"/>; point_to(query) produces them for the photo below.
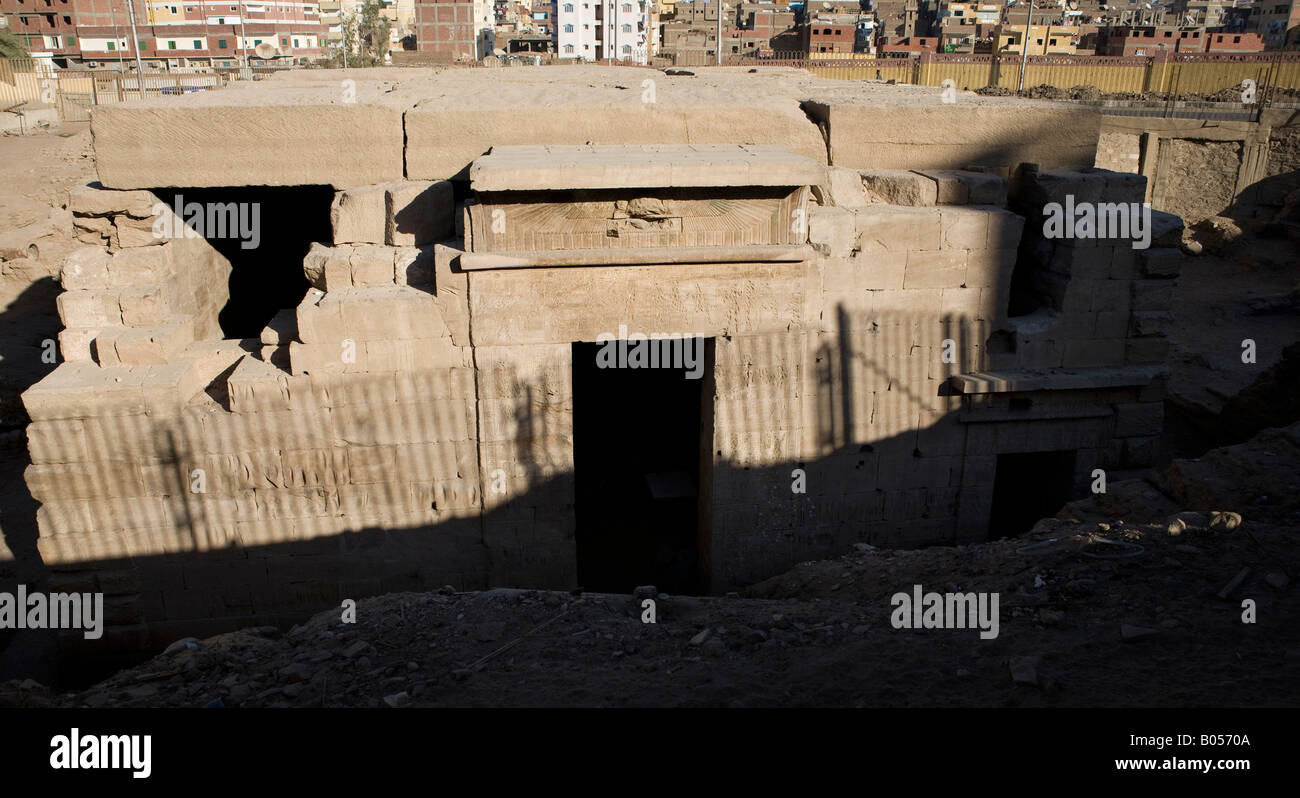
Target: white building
<point x="600" y="30"/>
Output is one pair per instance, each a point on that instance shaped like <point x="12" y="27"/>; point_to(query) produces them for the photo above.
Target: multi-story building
<point x="1230" y="42"/>
<point x="963" y="27"/>
<point x="455" y="30"/>
<point x="596" y="30"/>
<point x="911" y="44"/>
<point x="1276" y="22"/>
<point x="542" y="23"/>
<point x="896" y="20"/>
<point x="1042" y="39"/>
<point x="173" y="33"/>
<point x="1150" y="40"/>
<point x="50" y="28"/>
<point x="817" y="36"/>
<point x="694" y="26"/>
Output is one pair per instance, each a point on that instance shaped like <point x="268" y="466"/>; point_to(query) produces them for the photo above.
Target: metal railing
<point x="27" y="85"/>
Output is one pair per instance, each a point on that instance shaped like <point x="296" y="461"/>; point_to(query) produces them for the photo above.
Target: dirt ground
<point x="36" y="172"/>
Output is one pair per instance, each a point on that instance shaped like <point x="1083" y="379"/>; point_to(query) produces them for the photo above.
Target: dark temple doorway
<point x="1028" y="487"/>
<point x="638" y="438"/>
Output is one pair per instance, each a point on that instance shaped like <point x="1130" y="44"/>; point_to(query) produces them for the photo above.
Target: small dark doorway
<point x="1029" y="487"/>
<point x="266" y="265"/>
<point x="638" y="434"/>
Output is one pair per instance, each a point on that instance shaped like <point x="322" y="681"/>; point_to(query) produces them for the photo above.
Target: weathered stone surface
<point x="870" y="136"/>
<point x="624" y="166"/>
<point x="846" y="187"/>
<point x="442" y="138"/>
<point x="899" y="187"/>
<point x="96" y="201"/>
<point x="226" y="140"/>
<point x="418" y="213"/>
<point x="357" y="215"/>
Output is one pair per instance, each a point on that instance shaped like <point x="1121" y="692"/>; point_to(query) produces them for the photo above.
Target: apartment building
<point x="964" y="27"/>
<point x="1277" y="22"/>
<point x="592" y="30"/>
<point x="1153" y="40"/>
<point x="1042" y="39"/>
<point x="173" y="34"/>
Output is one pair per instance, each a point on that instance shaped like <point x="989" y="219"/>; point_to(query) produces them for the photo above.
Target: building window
<point x="171" y="45"/>
<point x="1236" y="40"/>
<point x="568" y="29"/>
<point x="284" y="41"/>
<point x="627" y="48"/>
<point x="568" y="8"/>
<point x="112" y="46"/>
<point x="67" y="20"/>
<point x="295" y="42"/>
<point x="256" y="42"/>
<point x="627" y="28"/>
<point x="221" y="44"/>
<point x="198" y="45"/>
<point x="568" y="48"/>
<point x="70" y="40"/>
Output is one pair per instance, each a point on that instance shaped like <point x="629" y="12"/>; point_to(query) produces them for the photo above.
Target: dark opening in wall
<point x="637" y="438"/>
<point x="264" y="231"/>
<point x="1028" y="293"/>
<point x="1028" y="487"/>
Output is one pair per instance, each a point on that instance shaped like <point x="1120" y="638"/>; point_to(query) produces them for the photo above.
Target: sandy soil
<point x="36" y="172"/>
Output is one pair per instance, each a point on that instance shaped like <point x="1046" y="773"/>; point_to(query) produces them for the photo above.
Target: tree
<point x="365" y="37"/>
<point x="11" y="46"/>
<point x="373" y="31"/>
<point x="345" y="55"/>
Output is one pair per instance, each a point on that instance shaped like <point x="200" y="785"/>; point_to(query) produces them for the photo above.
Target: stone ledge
<point x="639" y="256"/>
<point x="559" y="167"/>
<point x="982" y="382"/>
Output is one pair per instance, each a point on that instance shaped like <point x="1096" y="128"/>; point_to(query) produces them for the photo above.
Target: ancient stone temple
<point x="562" y="364"/>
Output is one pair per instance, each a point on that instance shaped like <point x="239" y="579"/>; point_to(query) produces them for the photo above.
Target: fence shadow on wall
<point x="366" y="489"/>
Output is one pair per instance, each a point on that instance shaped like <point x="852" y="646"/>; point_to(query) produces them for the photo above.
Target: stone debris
<point x="1131" y="632"/>
<point x="1024" y="670"/>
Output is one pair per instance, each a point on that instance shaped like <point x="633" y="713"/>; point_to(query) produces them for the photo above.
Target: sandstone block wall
<point x="136" y="295"/>
<point x="410" y="424"/>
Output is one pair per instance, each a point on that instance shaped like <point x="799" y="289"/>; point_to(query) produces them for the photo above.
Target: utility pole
<point x="243" y="38"/>
<point x="718" y="49"/>
<point x="135" y="44"/>
<point x="1024" y="46"/>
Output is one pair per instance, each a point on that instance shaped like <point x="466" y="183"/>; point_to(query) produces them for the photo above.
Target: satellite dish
<point x="265" y="50"/>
